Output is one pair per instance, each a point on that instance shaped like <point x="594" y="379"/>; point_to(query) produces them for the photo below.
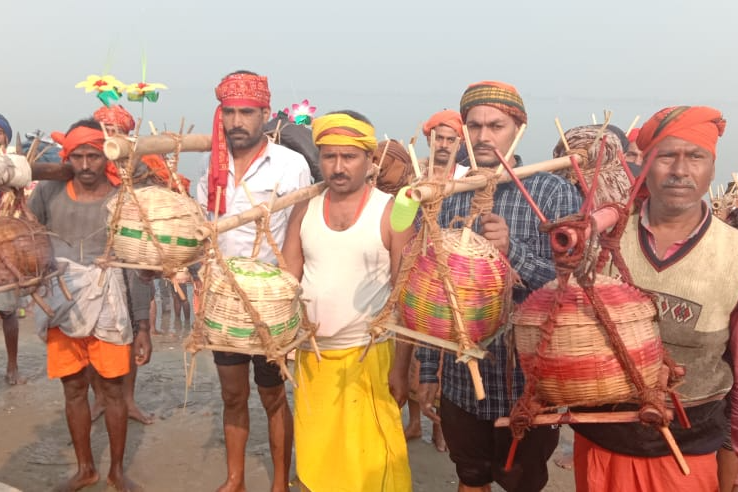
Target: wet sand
<point x="183" y="450"/>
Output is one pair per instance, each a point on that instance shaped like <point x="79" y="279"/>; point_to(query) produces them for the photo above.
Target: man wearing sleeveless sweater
<point x="348" y="429"/>
<point x="674" y="248"/>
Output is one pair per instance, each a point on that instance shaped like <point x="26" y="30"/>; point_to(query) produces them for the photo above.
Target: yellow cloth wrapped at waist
<point x="342" y="129"/>
<point x="348" y="428"/>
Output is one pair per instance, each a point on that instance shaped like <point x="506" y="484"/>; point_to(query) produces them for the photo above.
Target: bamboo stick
<point x="562" y="134"/>
<point x="469" y="148"/>
<point x="117" y="147"/>
<point x="577" y="418"/>
<point x="474" y="352"/>
<point x="632" y="125"/>
<point x="511" y="151"/>
<point x="228" y="223"/>
<point x="423" y="193"/>
<point x="414" y="160"/>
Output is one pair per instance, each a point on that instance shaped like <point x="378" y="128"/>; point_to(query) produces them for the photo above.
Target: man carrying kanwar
<point x="676" y="249"/>
<point x="493" y="113"/>
<point x="95" y="327"/>
<point x="348" y="428"/>
<point x="242" y="157"/>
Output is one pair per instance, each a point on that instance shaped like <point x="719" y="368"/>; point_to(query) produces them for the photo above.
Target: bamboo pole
<point x="576" y="418"/>
<point x="117" y="147"/>
<point x="423" y="193"/>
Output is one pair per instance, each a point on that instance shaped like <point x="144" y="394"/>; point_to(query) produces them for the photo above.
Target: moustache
<point x="237" y="132"/>
<point x="338" y="176"/>
<point x="679" y="183"/>
<point x="490" y="148"/>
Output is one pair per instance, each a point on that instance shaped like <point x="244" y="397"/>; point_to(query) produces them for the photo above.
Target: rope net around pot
<point x="453" y="284"/>
<point x="249" y="306"/>
<point x="586" y="339"/>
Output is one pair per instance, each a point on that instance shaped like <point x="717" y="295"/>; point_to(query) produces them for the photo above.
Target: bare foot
<point x="12" y="377"/>
<point x="122" y="483"/>
<point x="82" y="479"/>
<point x="135" y="413"/>
<point x="413" y="431"/>
<point x="232" y="486"/>
<point x="565" y="459"/>
<point x="438" y="439"/>
<point x="97" y="410"/>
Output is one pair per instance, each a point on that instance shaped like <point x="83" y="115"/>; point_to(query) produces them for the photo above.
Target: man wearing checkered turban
<point x="493" y="113"/>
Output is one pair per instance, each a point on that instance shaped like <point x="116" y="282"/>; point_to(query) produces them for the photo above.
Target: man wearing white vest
<point x="348" y="429"/>
<point x="675" y="248"/>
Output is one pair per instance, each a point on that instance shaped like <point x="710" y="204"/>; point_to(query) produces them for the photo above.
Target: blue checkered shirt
<point x="530" y="255"/>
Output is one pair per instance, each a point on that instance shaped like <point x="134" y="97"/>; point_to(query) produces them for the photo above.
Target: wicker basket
<point x="578" y="366"/>
<point x="274" y="294"/>
<point x="26" y="247"/>
<point x="479" y="275"/>
<point x="173" y="218"/>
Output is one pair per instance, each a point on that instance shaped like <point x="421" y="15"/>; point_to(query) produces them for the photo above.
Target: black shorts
<point x="266" y="374"/>
<point x="479" y="451"/>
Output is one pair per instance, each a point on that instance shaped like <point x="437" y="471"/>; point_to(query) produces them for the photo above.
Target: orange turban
<point x="633" y="135"/>
<point x="117" y="116"/>
<point x="699" y="125"/>
<point x="447" y="117"/>
<point x="83" y="135"/>
<point x="499" y="95"/>
<point x="239" y="90"/>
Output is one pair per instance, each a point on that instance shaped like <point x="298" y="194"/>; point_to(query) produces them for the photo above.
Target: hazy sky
<point x="395" y="61"/>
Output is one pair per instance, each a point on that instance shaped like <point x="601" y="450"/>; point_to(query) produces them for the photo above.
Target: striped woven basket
<point x="479" y="275"/>
<point x="26" y="250"/>
<point x="173" y="218"/>
<point x="579" y="366"/>
<point x="274" y="294"/>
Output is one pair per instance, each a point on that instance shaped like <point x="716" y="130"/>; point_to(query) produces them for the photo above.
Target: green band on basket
<point x="267" y="272"/>
<point x="164" y="239"/>
<point x="241" y="332"/>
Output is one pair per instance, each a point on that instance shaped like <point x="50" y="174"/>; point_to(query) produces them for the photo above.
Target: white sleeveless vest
<point x="346" y="275"/>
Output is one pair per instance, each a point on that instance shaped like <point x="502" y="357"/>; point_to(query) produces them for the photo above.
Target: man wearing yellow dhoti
<point x="348" y="429"/>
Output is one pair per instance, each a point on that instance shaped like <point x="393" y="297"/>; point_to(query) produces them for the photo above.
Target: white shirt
<point x="279" y="166"/>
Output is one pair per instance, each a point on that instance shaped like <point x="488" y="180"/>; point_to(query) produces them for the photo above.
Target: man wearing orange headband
<point x="95" y="327"/>
<point x="243" y="158"/>
<point x="448" y="132"/>
<point x="674" y="248"/>
<point x="493" y="113"/>
<point x="348" y="428"/>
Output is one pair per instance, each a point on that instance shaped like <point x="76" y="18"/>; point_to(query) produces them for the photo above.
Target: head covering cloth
<point x="633" y="135"/>
<point x="82" y="135"/>
<point x="447" y="117"/>
<point x="6" y="128"/>
<point x="343" y="129"/>
<point x="396" y="166"/>
<point x="613" y="185"/>
<point x="235" y="90"/>
<point x="499" y="95"/>
<point x="700" y="125"/>
<point x="117" y="116"/>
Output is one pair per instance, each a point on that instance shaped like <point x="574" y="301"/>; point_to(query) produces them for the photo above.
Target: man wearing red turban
<point x="447" y="126"/>
<point x="242" y="159"/>
<point x="674" y="249"/>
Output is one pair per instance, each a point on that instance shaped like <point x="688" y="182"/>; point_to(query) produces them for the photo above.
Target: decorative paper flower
<point x="141" y="90"/>
<point x="101" y="84"/>
<point x="302" y="114"/>
<point x="108" y="87"/>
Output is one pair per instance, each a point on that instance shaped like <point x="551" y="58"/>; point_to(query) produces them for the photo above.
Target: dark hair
<point x="87" y="123"/>
<point x="354" y="114"/>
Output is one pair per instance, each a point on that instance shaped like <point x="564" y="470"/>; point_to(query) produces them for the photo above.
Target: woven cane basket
<point x="274" y="294"/>
<point x="25" y="249"/>
<point x="173" y="218"/>
<point x="579" y="366"/>
<point x="477" y="272"/>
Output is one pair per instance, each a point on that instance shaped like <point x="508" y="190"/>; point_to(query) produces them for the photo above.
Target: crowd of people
<point x="346" y="425"/>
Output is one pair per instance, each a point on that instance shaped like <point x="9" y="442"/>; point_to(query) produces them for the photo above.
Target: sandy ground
<point x="182" y="451"/>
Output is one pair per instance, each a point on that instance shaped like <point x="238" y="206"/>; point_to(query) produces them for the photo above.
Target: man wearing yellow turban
<point x="348" y="428"/>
